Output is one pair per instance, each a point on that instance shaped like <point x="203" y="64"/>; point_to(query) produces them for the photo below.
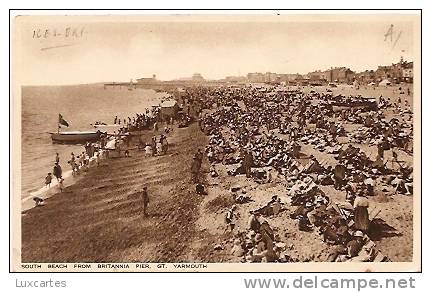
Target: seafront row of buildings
<point x="395" y="73"/>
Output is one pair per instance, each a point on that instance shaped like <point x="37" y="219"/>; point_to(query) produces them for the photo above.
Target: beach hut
<point x="168" y="108"/>
<point x="384" y="82"/>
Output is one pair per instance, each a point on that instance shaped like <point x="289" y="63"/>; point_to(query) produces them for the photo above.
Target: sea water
<point x="80" y="106"/>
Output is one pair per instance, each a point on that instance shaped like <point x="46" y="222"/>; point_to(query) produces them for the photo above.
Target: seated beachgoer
<point x="148" y="150"/>
<point x="355" y="245"/>
<point x="38" y="201"/>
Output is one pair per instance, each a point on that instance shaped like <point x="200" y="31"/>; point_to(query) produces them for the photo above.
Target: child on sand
<point x="98" y="158"/>
<point x="48" y="180"/>
<point x="148" y="150"/>
<point x="60" y="184"/>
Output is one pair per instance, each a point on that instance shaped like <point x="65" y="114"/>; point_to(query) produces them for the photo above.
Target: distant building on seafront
<point x="256" y="77"/>
<point x="395" y="73"/>
<point x="407" y="73"/>
<point x="340" y="75"/>
<point x="146" y="80"/>
<point x="197" y="77"/>
<point x="366" y="77"/>
<point x="271" y="77"/>
<point x="398" y="72"/>
<point x="236" y="79"/>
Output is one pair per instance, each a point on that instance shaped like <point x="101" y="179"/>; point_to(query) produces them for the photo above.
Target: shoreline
<point x="99" y="218"/>
<point x="45" y="192"/>
<point x="39" y="115"/>
<point x="69" y="179"/>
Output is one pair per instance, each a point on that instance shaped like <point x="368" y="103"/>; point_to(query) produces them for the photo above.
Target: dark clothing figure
<point x="354" y="247"/>
<point x="48" y="180"/>
<point x="165" y="144"/>
<point x="380" y="150"/>
<point x="333" y="131"/>
<point x="253" y="223"/>
<point x="199" y="157"/>
<point x="57" y="171"/>
<point x="339" y="176"/>
<point x="154" y="146"/>
<point x="362" y="220"/>
<point x="145" y="200"/>
<point x="196" y="165"/>
<point x="248" y="163"/>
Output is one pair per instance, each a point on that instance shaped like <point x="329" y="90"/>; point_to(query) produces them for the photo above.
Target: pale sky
<point x="119" y="50"/>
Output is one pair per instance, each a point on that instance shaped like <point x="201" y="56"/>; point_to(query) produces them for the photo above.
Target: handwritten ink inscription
<point x="390" y="34"/>
<point x="68" y="32"/>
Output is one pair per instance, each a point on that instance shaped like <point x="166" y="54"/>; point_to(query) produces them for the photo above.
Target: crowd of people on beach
<point x="122" y="138"/>
<point x="266" y="131"/>
<point x="302" y="140"/>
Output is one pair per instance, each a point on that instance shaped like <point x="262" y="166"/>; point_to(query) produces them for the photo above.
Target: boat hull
<point x="75" y="137"/>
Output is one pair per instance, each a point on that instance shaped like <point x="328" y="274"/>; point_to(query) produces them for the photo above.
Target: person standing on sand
<point x="154" y="145"/>
<point x="57" y="158"/>
<point x="48" y="180"/>
<point x="148" y="150"/>
<point x="196" y="165"/>
<point x="73" y="164"/>
<point x="200" y="156"/>
<point x="60" y="184"/>
<point x="165" y="144"/>
<point x="145" y="200"/>
<point x="98" y="158"/>
<point x="360" y="205"/>
<point x="57" y="171"/>
<point x="248" y="162"/>
<point x="82" y="159"/>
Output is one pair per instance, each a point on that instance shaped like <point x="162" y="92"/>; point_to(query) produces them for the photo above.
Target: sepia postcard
<point x="254" y="141"/>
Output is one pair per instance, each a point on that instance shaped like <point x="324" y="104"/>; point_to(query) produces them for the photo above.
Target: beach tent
<point x="384" y="82"/>
<point x="168" y="108"/>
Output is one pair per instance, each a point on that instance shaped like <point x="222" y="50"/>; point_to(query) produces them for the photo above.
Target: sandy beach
<point x="100" y="218"/>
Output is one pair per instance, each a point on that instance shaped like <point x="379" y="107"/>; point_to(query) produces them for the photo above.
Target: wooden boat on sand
<point x="76" y="137"/>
